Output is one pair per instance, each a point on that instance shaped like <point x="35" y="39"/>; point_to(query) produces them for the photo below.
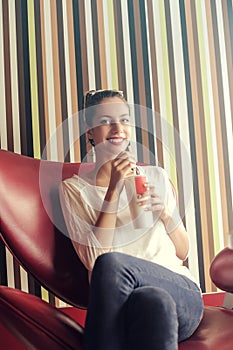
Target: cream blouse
<point x="81" y="203"/>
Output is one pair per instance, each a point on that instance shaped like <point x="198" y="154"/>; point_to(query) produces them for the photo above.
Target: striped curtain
<point x="173" y="60"/>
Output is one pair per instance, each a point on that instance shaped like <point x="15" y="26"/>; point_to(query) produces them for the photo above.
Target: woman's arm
<point x="106" y="221"/>
<point x="177" y="234"/>
<point x="180" y="239"/>
<point x="168" y="212"/>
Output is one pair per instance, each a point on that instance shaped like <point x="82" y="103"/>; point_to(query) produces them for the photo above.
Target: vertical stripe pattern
<point x="174" y="61"/>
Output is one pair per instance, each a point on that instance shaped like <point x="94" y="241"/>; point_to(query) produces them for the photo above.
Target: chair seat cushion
<point x="37" y="324"/>
<point x="214" y="332"/>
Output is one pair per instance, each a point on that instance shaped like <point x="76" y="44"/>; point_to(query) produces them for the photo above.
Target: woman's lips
<point x="116" y="140"/>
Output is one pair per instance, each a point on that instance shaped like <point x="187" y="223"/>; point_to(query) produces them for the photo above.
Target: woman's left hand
<point x="150" y="201"/>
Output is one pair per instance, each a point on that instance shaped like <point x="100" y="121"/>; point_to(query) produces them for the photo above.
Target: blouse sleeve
<point x="80" y="221"/>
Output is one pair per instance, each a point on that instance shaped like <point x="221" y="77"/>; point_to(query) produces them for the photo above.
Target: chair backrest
<point x="32" y="225"/>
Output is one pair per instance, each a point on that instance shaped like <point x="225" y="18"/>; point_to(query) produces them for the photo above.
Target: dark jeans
<point x="140" y="305"/>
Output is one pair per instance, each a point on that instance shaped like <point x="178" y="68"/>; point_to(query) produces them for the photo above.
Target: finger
<point x="151" y="188"/>
<point x="144" y="201"/>
<point x="155" y="208"/>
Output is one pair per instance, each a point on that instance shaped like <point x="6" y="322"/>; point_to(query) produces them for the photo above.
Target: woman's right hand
<point x="122" y="166"/>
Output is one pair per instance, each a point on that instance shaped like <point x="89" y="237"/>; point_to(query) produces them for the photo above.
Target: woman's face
<point x="111" y="129"/>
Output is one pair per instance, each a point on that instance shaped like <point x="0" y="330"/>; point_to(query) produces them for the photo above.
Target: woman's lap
<point x="115" y="277"/>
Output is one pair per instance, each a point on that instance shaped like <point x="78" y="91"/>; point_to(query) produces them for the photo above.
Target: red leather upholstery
<point x="214" y="332"/>
<point x="53" y="328"/>
<point x="221" y="271"/>
<point x="31" y="223"/>
<point x="28" y="202"/>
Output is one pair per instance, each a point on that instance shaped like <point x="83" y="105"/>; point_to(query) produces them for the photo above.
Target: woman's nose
<point x="116" y="127"/>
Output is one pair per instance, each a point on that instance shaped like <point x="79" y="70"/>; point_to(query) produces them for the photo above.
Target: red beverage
<point x="140" y="182"/>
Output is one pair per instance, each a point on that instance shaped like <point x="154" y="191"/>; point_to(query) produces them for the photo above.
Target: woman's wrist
<point x="111" y="200"/>
<point x="171" y="220"/>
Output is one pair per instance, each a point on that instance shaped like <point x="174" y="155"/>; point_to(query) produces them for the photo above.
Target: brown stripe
<point x="52" y="300"/>
<point x="199" y="126"/>
<point x="141" y="81"/>
<point x="17" y="274"/>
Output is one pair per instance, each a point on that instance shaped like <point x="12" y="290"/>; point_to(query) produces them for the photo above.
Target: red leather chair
<point x="32" y="227"/>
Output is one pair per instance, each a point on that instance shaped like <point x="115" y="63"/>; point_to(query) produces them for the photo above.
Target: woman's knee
<point x="108" y="267"/>
<point x="108" y="261"/>
<point x="153" y="300"/>
<point x="151" y="319"/>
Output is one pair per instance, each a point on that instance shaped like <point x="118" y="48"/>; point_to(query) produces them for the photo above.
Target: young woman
<point x="141" y="296"/>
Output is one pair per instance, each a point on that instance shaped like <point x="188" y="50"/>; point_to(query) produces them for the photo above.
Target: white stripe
<point x="14" y="78"/>
<point x="10" y="269"/>
<point x="90" y="45"/>
<point x="24" y="280"/>
<point x="50" y="82"/>
<point x="3" y="125"/>
<point x="126" y="43"/>
<point x="107" y="44"/>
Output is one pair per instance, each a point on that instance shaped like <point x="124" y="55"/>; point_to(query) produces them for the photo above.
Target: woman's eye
<point x="125" y="121"/>
<point x="104" y="121"/>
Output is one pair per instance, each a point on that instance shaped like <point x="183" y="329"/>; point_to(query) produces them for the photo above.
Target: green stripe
<point x="167" y="86"/>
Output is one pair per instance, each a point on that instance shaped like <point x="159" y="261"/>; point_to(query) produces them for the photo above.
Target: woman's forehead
<point x="112" y="106"/>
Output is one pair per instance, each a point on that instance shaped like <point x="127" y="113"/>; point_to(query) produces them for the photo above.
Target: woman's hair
<point x="94" y="97"/>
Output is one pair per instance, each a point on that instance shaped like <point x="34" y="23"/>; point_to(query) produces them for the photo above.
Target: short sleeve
<point x="80" y="219"/>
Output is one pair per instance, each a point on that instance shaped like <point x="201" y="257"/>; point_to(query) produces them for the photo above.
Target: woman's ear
<point x="89" y="133"/>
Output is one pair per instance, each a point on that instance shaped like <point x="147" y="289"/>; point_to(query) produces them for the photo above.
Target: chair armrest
<point x="37" y="324"/>
<point x="221" y="270"/>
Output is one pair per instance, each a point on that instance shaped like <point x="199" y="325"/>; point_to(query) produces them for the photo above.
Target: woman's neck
<point x="100" y="175"/>
<point x="103" y="171"/>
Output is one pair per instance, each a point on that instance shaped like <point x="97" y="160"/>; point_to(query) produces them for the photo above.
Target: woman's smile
<point x="117" y="141"/>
